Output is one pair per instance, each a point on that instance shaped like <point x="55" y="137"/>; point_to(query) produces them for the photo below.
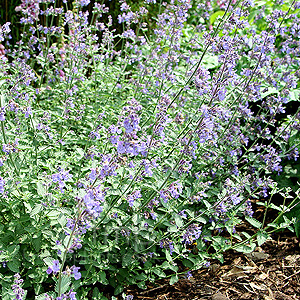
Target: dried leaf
<point x="263" y="276"/>
<point x="219" y="296"/>
<point x="257" y="256"/>
<point x="235" y="272"/>
<point x="261" y="287"/>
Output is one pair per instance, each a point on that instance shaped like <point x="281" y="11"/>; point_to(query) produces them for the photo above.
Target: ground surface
<point x="272" y="272"/>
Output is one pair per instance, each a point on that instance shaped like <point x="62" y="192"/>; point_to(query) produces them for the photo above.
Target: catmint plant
<point x="127" y="154"/>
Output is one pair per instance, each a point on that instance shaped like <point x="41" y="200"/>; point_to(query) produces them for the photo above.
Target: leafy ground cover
<point x="138" y="154"/>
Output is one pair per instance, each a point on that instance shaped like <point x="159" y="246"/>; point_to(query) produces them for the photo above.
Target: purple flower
<point x="72" y="295"/>
<point x="54" y="268"/>
<point x="207" y="264"/>
<point x="93" y="175"/>
<point x="175" y="189"/>
<point x="164" y="196"/>
<point x="192" y="234"/>
<point x="134" y="196"/>
<point x="188" y="275"/>
<point x="121" y="147"/>
<point x="167" y="244"/>
<point x="18" y="291"/>
<point x="171" y="247"/>
<point x="127" y="125"/>
<point x="28" y="112"/>
<point x="294" y="154"/>
<point x="77" y="275"/>
<point x="2" y="114"/>
<point x="92" y="201"/>
<point x="235" y="198"/>
<point x="182" y="213"/>
<point x="60" y="178"/>
<point x="114" y="139"/>
<point x="2" y="183"/>
<point x="222" y="94"/>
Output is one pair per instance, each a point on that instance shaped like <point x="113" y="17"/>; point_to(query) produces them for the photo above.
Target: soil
<point x="271" y="272"/>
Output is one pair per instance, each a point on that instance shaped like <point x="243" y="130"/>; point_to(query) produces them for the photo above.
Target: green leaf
<point x="127" y="259"/>
<point x="13" y="250"/>
<point x="65" y="283"/>
<point x="173" y="279"/>
<point x="48" y="261"/>
<point x="172" y="228"/>
<point x="270" y="91"/>
<point x="142" y="285"/>
<point x="37" y="243"/>
<point x="297" y="228"/>
<point x="294" y="95"/>
<point x="62" y="220"/>
<point x="261" y="237"/>
<point x="178" y="221"/>
<point x="237" y="236"/>
<point x="213" y="17"/>
<point x="168" y="256"/>
<point x="187" y="263"/>
<point x="159" y="272"/>
<point x="245" y="248"/>
<point x="102" y="276"/>
<point x="14" y="266"/>
<point x="37" y="288"/>
<point x="118" y="290"/>
<point x="252" y="15"/>
<point x="273" y="206"/>
<point x="53" y="214"/>
<point x="96" y="293"/>
<point x="260" y="3"/>
<point x="36" y="209"/>
<point x="41" y="190"/>
<point x="80" y="152"/>
<point x="210" y="61"/>
<point x="255" y="223"/>
<point x="65" y="211"/>
<point x="41" y="297"/>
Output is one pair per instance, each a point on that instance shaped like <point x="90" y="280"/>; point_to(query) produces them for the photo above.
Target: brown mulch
<point x="271" y="272"/>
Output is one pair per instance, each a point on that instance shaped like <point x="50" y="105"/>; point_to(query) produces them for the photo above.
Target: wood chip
<point x="219" y="296"/>
<point x="257" y="256"/>
<point x="262" y="276"/>
<point x="235" y="272"/>
<point x="261" y="287"/>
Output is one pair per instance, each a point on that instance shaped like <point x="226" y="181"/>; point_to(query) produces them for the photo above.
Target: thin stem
<point x="66" y="251"/>
<point x="9" y="153"/>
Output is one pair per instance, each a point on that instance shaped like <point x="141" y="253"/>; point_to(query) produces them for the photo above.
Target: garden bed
<point x="143" y="145"/>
